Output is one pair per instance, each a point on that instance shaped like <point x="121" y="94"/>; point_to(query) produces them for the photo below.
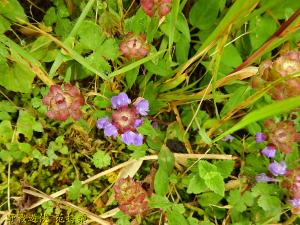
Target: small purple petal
<point x="138" y="122"/>
<point x="138" y="141"/>
<point x="155" y="125"/>
<point x="228" y="138"/>
<point x="120" y="100"/>
<point x="277" y="168"/>
<point x="131" y="138"/>
<point x="102" y="123"/>
<point x="295" y="202"/>
<point x="142" y="107"/>
<point x="110" y="130"/>
<point x="260" y="137"/>
<point x="269" y="151"/>
<point x="262" y="177"/>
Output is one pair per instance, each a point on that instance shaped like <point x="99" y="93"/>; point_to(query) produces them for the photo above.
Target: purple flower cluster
<point x="125" y="119"/>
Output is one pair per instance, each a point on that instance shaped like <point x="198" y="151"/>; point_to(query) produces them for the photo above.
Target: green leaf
<point x="176" y="218"/>
<point x="261" y="27"/>
<point x="225" y="167"/>
<point x="4" y="25"/>
<point x="137" y="23"/>
<point x="209" y="198"/>
<point x="147" y="129"/>
<point x="238" y="96"/>
<point x="50" y="17"/>
<point x="161" y="182"/>
<point x="166" y="159"/>
<point x="196" y="185"/>
<point x="26" y="124"/>
<point x="101" y="159"/>
<point x="17" y="77"/>
<point x="6" y="131"/>
<point x="131" y="76"/>
<point x="214" y="181"/>
<point x="203" y="15"/>
<point x="205" y="167"/>
<point x="123" y="219"/>
<point x="235" y="199"/>
<point x="269" y="203"/>
<point x="12" y="10"/>
<point x="74" y="190"/>
<point x="182" y="49"/>
<point x="90" y="35"/>
<point x="231" y="56"/>
<point x="160" y="202"/>
<point x="262" y="113"/>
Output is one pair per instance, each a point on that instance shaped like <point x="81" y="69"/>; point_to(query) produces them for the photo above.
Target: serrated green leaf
<point x="205" y="167"/>
<point x="101" y="159"/>
<point x="176" y="218"/>
<point x="196" y="185"/>
<point x="225" y="167"/>
<point x="90" y="35"/>
<point x="214" y="181"/>
<point x="147" y="129"/>
<point x="269" y="203"/>
<point x="209" y="198"/>
<point x="160" y="202"/>
<point x="74" y="191"/>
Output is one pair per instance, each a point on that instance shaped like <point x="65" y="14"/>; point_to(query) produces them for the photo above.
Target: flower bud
<point x="63" y="103"/>
<point x="156" y="7"/>
<point x="282" y="134"/>
<point x="134" y="46"/>
<point x="131" y="196"/>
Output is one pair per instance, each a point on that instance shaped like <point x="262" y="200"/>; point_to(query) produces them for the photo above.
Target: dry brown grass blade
<point x="89" y="214"/>
<point x="240" y="75"/>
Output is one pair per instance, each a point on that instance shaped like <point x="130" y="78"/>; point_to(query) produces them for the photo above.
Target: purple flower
<point x="142" y="106"/>
<point x="295" y="202"/>
<point x="277" y="168"/>
<point x="131" y="138"/>
<point x="138" y="122"/>
<point x="262" y="177"/>
<point x="260" y="137"/>
<point x="110" y="130"/>
<point x="269" y="151"/>
<point x="102" y="123"/>
<point x="228" y="138"/>
<point x="120" y="100"/>
<point x="125" y="119"/>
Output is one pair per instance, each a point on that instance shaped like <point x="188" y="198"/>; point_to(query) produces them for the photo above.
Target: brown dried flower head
<point x="156" y="7"/>
<point x="131" y="196"/>
<point x="269" y="71"/>
<point x="63" y="102"/>
<point x="134" y="46"/>
<point x="282" y="134"/>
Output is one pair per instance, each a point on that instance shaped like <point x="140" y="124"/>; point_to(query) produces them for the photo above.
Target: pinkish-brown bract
<point x="131" y="196"/>
<point x="134" y="46"/>
<point x="64" y="102"/>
